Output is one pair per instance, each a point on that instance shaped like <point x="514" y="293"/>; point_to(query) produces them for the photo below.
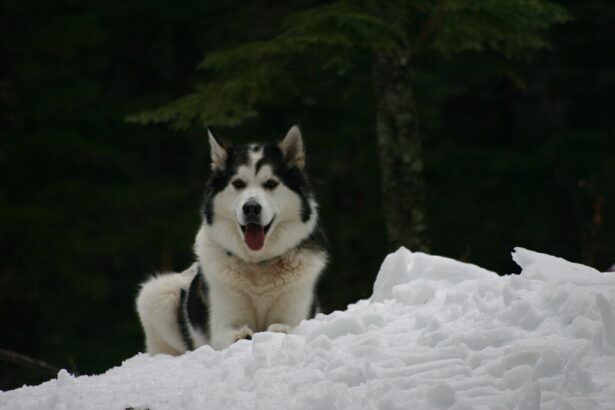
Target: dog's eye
<point x="270" y="184"/>
<point x="239" y="184"/>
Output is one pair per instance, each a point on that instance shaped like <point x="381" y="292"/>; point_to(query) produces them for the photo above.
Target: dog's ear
<point x="292" y="148"/>
<point x="218" y="152"/>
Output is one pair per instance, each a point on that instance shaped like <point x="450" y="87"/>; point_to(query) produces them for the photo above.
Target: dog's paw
<point x="244" y="333"/>
<point x="279" y="328"/>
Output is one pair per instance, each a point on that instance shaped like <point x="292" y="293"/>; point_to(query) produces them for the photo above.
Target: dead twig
<point x="23" y="360"/>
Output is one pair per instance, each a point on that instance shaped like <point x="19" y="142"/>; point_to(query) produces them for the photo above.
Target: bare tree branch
<point x="23" y="360"/>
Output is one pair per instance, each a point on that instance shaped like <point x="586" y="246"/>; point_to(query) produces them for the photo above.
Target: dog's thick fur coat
<point x="259" y="253"/>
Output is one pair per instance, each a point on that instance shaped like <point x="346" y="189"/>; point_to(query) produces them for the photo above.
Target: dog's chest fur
<point x="263" y="277"/>
<point x="263" y="282"/>
<point x="293" y="268"/>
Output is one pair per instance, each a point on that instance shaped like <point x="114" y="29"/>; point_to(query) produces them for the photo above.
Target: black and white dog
<point x="259" y="254"/>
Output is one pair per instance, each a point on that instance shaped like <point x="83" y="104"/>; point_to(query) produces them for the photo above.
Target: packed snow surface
<point x="436" y="334"/>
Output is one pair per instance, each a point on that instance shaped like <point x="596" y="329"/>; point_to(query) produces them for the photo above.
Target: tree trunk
<point x="401" y="154"/>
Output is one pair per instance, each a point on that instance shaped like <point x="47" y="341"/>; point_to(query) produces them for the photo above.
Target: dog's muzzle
<point x="253" y="230"/>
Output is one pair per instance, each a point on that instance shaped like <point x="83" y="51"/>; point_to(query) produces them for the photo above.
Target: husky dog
<point x="259" y="252"/>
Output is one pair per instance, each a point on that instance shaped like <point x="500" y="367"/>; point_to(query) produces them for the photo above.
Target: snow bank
<point x="436" y="334"/>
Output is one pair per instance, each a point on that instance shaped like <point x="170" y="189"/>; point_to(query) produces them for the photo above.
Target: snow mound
<point x="436" y="334"/>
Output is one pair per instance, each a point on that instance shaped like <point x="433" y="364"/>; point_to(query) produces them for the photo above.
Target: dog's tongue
<point x="255" y="236"/>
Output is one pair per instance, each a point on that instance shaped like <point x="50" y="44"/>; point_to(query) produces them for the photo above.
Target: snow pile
<point x="436" y="334"/>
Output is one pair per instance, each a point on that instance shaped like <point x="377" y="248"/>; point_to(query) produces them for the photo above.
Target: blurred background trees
<point x="331" y="38"/>
<point x="515" y="151"/>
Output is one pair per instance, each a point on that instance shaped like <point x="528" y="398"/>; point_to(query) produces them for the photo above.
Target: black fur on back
<point x="197" y="305"/>
<point x="182" y="319"/>
<point x="193" y="309"/>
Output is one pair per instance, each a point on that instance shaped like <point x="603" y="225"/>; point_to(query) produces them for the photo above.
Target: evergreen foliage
<point x="329" y="37"/>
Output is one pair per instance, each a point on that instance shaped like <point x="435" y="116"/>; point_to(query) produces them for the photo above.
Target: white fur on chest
<point x="262" y="278"/>
<point x="262" y="283"/>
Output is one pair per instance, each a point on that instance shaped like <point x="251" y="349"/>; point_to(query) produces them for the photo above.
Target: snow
<point x="435" y="334"/>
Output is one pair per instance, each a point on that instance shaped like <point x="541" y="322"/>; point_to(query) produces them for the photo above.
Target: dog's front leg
<point x="232" y="316"/>
<point x="289" y="309"/>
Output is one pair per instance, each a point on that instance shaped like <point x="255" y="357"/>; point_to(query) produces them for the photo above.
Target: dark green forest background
<point x="517" y="153"/>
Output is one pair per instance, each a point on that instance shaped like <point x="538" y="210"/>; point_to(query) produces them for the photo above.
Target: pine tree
<point x="333" y="38"/>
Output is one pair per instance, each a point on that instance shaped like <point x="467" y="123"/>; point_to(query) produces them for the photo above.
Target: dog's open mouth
<point x="254" y="235"/>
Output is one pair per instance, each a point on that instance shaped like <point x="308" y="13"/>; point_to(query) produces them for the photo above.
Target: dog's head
<point x="258" y="202"/>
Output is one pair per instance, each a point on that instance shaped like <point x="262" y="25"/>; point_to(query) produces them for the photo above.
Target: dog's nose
<point x="252" y="208"/>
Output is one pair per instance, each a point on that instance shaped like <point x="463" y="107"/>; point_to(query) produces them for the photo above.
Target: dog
<point x="259" y="253"/>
